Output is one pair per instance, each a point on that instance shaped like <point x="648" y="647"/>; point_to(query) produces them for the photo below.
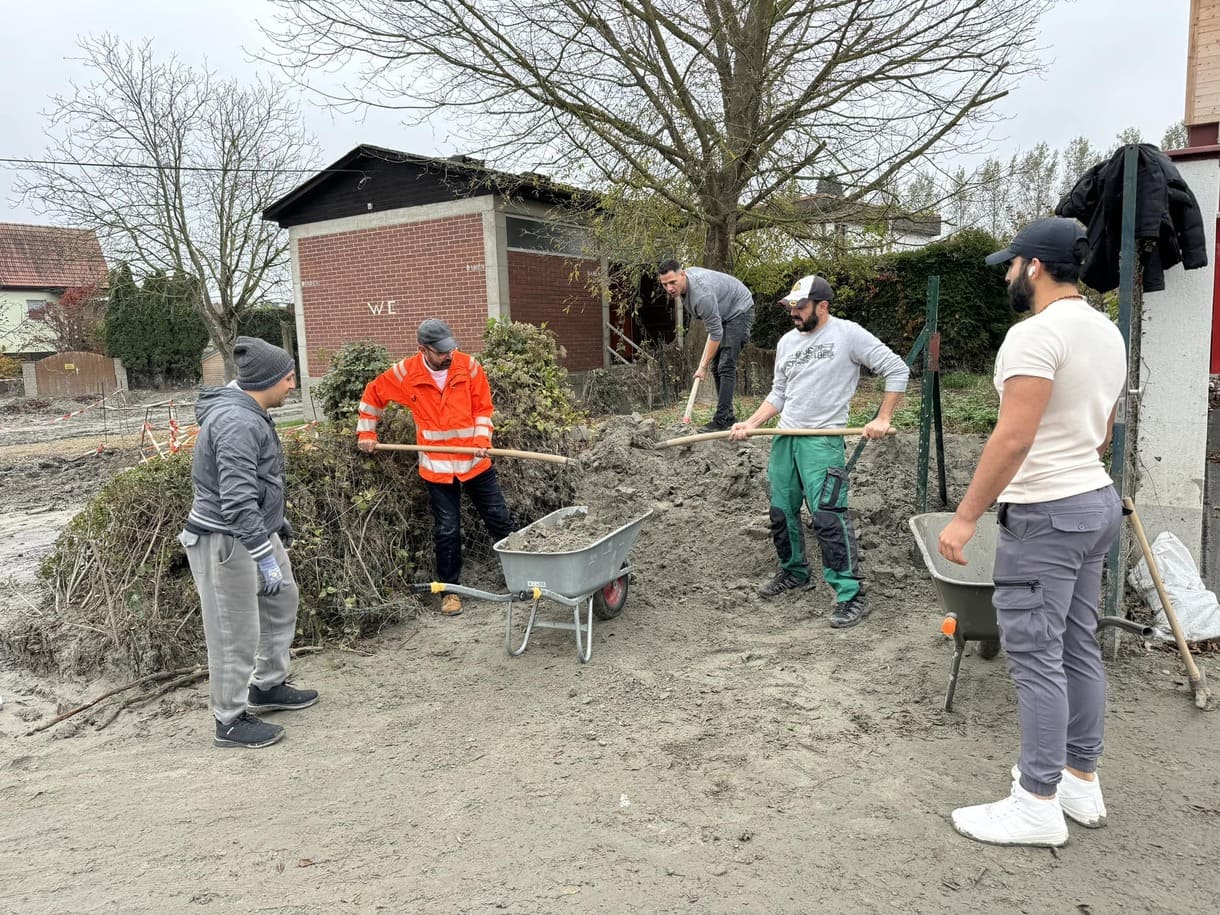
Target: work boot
<point x="1019" y="819"/>
<point x="246" y="731"/>
<point x="850" y="612"/>
<point x="284" y="697"/>
<point x="783" y="581"/>
<point x="451" y="605"/>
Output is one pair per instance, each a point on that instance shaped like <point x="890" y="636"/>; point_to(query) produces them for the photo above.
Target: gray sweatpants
<point x="248" y="633"/>
<point x="1048" y="582"/>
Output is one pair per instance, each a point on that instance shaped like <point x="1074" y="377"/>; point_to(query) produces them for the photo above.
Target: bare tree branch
<point x="715" y="106"/>
<point x="206" y="224"/>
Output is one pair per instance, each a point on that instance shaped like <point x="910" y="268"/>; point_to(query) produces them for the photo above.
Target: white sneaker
<point x="1019" y="819"/>
<point x="1079" y="799"/>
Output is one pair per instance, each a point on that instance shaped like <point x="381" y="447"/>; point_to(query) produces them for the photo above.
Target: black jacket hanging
<point x="1165" y="211"/>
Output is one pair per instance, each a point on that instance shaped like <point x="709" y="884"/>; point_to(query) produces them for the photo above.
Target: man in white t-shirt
<point x="1060" y="373"/>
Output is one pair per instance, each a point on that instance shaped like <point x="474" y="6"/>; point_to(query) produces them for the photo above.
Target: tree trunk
<point x="718" y="246"/>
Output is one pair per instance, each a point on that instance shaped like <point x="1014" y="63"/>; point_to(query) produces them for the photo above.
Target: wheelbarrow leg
<point x="959" y="647"/>
<point x="586" y="651"/>
<point x="529" y="628"/>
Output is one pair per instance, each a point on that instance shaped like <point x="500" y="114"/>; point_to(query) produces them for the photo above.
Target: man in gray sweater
<point x="726" y="307"/>
<point x="817" y="369"/>
<point x="236" y="540"/>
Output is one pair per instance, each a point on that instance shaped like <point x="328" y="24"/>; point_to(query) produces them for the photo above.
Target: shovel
<point x="724" y="433"/>
<point x="1198" y="681"/>
<point x="690" y="403"/>
<point x="494" y="452"/>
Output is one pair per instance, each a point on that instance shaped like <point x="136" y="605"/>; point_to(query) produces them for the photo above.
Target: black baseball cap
<point x="1053" y="240"/>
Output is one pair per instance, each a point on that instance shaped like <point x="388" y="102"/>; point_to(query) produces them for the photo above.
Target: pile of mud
<point x="568" y="533"/>
<point x="57" y="482"/>
<point x="711" y="499"/>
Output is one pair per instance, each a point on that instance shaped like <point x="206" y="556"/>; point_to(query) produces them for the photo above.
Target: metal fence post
<point x="1116" y="563"/>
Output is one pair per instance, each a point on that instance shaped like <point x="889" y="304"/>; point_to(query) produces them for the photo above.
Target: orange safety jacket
<point x="459" y="415"/>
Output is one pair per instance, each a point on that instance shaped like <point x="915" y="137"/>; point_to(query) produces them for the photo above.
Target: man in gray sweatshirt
<point x="817" y="369"/>
<point x="726" y="307"/>
<point x="236" y="540"/>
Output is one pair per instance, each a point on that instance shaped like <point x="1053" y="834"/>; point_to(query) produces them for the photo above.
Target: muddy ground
<point x="719" y="753"/>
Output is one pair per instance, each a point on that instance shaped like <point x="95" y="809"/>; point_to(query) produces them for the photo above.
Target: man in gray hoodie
<point x="236" y="540"/>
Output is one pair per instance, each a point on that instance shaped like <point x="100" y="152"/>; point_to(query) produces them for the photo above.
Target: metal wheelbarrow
<point x="965" y="591"/>
<point x="594" y="578"/>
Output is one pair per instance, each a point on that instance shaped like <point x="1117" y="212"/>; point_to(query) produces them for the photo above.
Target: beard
<point x="438" y="365"/>
<point x="1021" y="294"/>
<point x="806" y="325"/>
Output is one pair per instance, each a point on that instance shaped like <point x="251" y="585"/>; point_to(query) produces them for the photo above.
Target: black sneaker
<point x="246" y="731"/>
<point x="783" y="581"/>
<point x="714" y="427"/>
<point x="850" y="612"/>
<point x="282" y="697"/>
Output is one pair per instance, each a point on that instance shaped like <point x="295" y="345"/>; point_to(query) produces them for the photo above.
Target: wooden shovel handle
<point x="494" y="452"/>
<point x="724" y="433"/>
<point x="1192" y="669"/>
<point x="690" y="401"/>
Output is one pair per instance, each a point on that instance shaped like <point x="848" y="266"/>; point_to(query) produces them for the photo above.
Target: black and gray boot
<point x="850" y="612"/>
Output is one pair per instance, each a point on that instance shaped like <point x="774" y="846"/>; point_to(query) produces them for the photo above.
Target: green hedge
<point x="888" y="295"/>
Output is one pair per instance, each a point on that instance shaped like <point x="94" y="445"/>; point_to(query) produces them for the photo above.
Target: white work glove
<point x="273" y="578"/>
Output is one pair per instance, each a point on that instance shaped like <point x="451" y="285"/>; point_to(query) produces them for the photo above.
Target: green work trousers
<point x="811" y="469"/>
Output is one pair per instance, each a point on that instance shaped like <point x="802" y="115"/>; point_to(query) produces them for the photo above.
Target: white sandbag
<point x="1197" y="609"/>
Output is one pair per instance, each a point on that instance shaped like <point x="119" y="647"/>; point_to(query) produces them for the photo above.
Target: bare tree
<point x="1125" y="138"/>
<point x="74" y="322"/>
<point x="1078" y="157"/>
<point x="1175" y="136"/>
<point x="1034" y="184"/>
<point x="173" y="167"/>
<point x="715" y="106"/>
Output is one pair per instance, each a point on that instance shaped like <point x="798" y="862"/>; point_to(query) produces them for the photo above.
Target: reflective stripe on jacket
<point x="460" y="415"/>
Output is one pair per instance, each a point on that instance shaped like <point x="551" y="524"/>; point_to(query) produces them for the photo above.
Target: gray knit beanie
<point x="260" y="364"/>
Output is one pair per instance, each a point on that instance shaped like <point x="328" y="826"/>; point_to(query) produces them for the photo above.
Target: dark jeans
<point x="724" y="366"/>
<point x="446" y="499"/>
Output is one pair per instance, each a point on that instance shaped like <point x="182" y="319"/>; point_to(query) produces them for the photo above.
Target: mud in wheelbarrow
<point x="593" y="579"/>
<point x="965" y="591"/>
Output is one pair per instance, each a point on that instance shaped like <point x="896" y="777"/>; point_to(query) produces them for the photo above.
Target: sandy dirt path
<point x="719" y="754"/>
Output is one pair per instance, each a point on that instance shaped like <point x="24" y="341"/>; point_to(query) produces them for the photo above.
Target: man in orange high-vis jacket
<point x="448" y="395"/>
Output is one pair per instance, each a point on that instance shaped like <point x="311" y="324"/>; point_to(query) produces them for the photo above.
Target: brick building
<point x="382" y="239"/>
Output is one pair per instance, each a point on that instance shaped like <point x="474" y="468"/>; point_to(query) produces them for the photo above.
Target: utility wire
<point x="18" y="163"/>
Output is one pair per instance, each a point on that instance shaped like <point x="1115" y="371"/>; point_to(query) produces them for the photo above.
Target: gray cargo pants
<point x="248" y="633"/>
<point x="1047" y="585"/>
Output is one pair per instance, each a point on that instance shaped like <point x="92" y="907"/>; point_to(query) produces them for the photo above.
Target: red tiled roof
<point x="48" y="257"/>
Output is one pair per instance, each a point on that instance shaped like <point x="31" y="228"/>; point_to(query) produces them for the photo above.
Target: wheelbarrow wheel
<point x="988" y="649"/>
<point x="608" y="601"/>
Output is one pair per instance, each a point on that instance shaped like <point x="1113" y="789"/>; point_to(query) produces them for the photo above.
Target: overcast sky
<point x="1107" y="65"/>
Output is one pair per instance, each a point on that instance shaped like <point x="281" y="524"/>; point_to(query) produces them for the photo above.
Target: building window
<point x="35" y="309"/>
<point x="544" y="237"/>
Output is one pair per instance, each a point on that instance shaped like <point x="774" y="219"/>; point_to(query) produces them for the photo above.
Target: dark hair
<point x="1063" y="273"/>
<point x="668" y="266"/>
